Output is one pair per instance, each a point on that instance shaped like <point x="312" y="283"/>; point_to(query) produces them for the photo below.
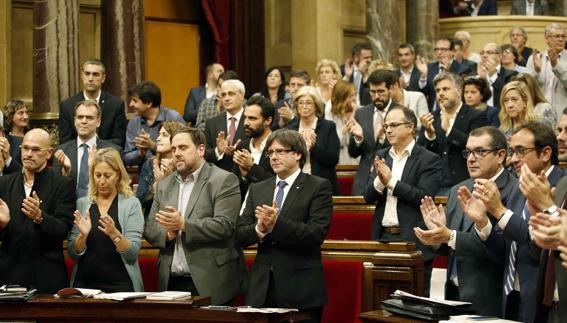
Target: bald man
<point x="36" y="213"/>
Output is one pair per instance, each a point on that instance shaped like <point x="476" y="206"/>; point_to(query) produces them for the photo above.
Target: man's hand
<point x="4" y="148"/>
<point x="439" y="234"/>
<point x="446" y="63"/>
<point x="4" y="214"/>
<point x="546" y="230"/>
<point x="64" y="161"/>
<point x="537" y="60"/>
<point x="31" y="208"/>
<point x="445" y="118"/>
<point x="349" y="68"/>
<point x="83" y="223"/>
<point x="266" y="216"/>
<point x="432" y="214"/>
<point x="170" y="219"/>
<point x="427" y="124"/>
<point x="421" y="65"/>
<point x="487" y="191"/>
<point x="382" y="170"/>
<point x="563" y="245"/>
<point x="472" y="207"/>
<point x="354" y="128"/>
<point x="536" y="189"/>
<point x="286" y="113"/>
<point x="144" y="141"/>
<point x="244" y="160"/>
<point x="553" y="54"/>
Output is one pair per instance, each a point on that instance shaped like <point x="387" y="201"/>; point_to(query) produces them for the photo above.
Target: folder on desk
<point x="425" y="308"/>
<point x="17" y="296"/>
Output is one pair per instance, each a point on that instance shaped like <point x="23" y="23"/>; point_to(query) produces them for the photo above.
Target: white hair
<point x="235" y="83"/>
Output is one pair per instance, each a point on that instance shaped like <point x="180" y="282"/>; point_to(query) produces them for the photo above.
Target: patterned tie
<point x="82" y="185"/>
<point x="280" y="194"/>
<point x="378" y="125"/>
<point x="231" y="130"/>
<point x="511" y="269"/>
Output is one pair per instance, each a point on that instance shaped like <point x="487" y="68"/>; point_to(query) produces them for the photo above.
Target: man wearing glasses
<point x="490" y="68"/>
<point x="368" y="134"/>
<point x="288" y="216"/>
<point x="403" y="175"/>
<point x="472" y="275"/>
<point x="36" y="213"/>
<point x="550" y="67"/>
<point x="533" y="153"/>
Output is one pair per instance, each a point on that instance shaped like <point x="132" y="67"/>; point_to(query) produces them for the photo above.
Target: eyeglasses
<point x="441" y="49"/>
<point x="394" y="125"/>
<point x="558" y="36"/>
<point x="521" y="151"/>
<point x="477" y="153"/>
<point x="305" y="103"/>
<point x="34" y="150"/>
<point x="488" y="52"/>
<point x="277" y="152"/>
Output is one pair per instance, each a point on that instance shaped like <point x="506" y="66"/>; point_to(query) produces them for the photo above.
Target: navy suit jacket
<point x="487" y="8"/>
<point x="213" y="127"/>
<point x="421" y="177"/>
<point x="527" y="266"/>
<point x="432" y="71"/>
<point x="192" y="103"/>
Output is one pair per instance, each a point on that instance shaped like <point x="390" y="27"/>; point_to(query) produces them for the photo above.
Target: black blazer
<point x="192" y="103"/>
<point x="479" y="274"/>
<point x="367" y="149"/>
<point x="451" y="147"/>
<point x="292" y="251"/>
<point x="420" y="177"/>
<point x="213" y="127"/>
<point x="15" y="153"/>
<point x="363" y="93"/>
<point x="432" y="71"/>
<point x="413" y="84"/>
<point x="259" y="172"/>
<point x="113" y="119"/>
<point x="70" y="149"/>
<point x="32" y="254"/>
<point x="487" y="8"/>
<point x="325" y="154"/>
<point x="504" y="76"/>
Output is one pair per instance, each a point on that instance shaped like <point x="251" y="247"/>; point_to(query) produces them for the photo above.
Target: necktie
<point x="231" y="130"/>
<point x="82" y="185"/>
<point x="357" y="78"/>
<point x="378" y="125"/>
<point x="511" y="269"/>
<point x="280" y="194"/>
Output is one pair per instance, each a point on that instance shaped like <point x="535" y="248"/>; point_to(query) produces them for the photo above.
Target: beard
<point x="253" y="133"/>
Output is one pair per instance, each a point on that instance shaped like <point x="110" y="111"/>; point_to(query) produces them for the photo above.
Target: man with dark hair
<point x="212" y="107"/>
<point x="403" y="175"/>
<point x="113" y="115"/>
<point x="368" y="131"/>
<point x="36" y="214"/>
<point x="142" y="131"/>
<point x="518" y="38"/>
<point x="459" y="45"/>
<point x="251" y="164"/>
<point x="445" y="54"/>
<point x="198" y="94"/>
<point x="297" y="80"/>
<point x="472" y="275"/>
<point x="71" y="158"/>
<point x="355" y="69"/>
<point x="533" y="153"/>
<point x="288" y="216"/>
<point x="407" y="72"/>
<point x="192" y="222"/>
<point x="445" y="131"/>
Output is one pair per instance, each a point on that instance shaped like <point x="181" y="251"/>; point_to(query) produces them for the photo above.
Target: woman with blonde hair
<point x="320" y="135"/>
<point x="106" y="258"/>
<point x="549" y="115"/>
<point x="328" y="73"/>
<point x="516" y="107"/>
<point x="341" y="112"/>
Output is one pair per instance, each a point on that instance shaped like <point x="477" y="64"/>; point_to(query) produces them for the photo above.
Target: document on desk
<point x="246" y="309"/>
<point x="476" y="319"/>
<point x="122" y="296"/>
<point x="401" y="294"/>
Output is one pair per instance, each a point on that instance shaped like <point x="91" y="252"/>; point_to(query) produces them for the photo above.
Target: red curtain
<point x="217" y="13"/>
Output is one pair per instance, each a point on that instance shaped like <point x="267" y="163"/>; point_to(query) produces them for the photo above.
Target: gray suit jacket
<point x="216" y="264"/>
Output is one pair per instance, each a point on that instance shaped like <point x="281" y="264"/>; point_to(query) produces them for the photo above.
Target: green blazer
<point x="131" y="220"/>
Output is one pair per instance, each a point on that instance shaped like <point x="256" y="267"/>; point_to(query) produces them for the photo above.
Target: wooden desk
<point x="382" y="316"/>
<point x="46" y="308"/>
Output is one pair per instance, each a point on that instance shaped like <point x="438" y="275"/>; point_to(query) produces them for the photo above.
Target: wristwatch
<point x="551" y="211"/>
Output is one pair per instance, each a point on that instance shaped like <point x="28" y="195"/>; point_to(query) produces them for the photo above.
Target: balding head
<point x="36" y="150"/>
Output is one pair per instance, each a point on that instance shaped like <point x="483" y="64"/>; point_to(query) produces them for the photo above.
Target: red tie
<point x="231" y="130"/>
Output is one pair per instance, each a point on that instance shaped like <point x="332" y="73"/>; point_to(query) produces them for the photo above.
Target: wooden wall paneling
<point x="5" y="52"/>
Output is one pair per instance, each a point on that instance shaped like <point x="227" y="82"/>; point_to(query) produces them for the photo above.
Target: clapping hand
<point x="107" y="226"/>
<point x="31" y="207"/>
<point x="4" y="214"/>
<point x="64" y="161"/>
<point x="434" y="218"/>
<point x="170" y="219"/>
<point x="266" y="216"/>
<point x="472" y="206"/>
<point x="382" y="170"/>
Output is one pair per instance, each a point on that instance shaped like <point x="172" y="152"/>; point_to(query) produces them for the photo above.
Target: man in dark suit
<point x="288" y="216"/>
<point x="403" y="175"/>
<point x="71" y="158"/>
<point x="472" y="275"/>
<point x="408" y="72"/>
<point x="355" y="69"/>
<point x="198" y="94"/>
<point x="368" y="131"/>
<point x="538" y="8"/>
<point x="192" y="222"/>
<point x="533" y="152"/>
<point x="113" y="118"/>
<point x="36" y="214"/>
<point x="445" y="131"/>
<point x="475" y="8"/>
<point x="518" y="38"/>
<point x="445" y="54"/>
<point x="459" y="47"/>
<point x="250" y="162"/>
<point x="493" y="72"/>
<point x="225" y="131"/>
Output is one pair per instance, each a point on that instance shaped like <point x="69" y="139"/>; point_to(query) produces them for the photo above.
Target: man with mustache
<point x="368" y="130"/>
<point x="446" y="131"/>
<point x="251" y="163"/>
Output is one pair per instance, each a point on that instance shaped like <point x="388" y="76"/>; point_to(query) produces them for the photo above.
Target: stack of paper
<point x="122" y="296"/>
<point x="169" y="296"/>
